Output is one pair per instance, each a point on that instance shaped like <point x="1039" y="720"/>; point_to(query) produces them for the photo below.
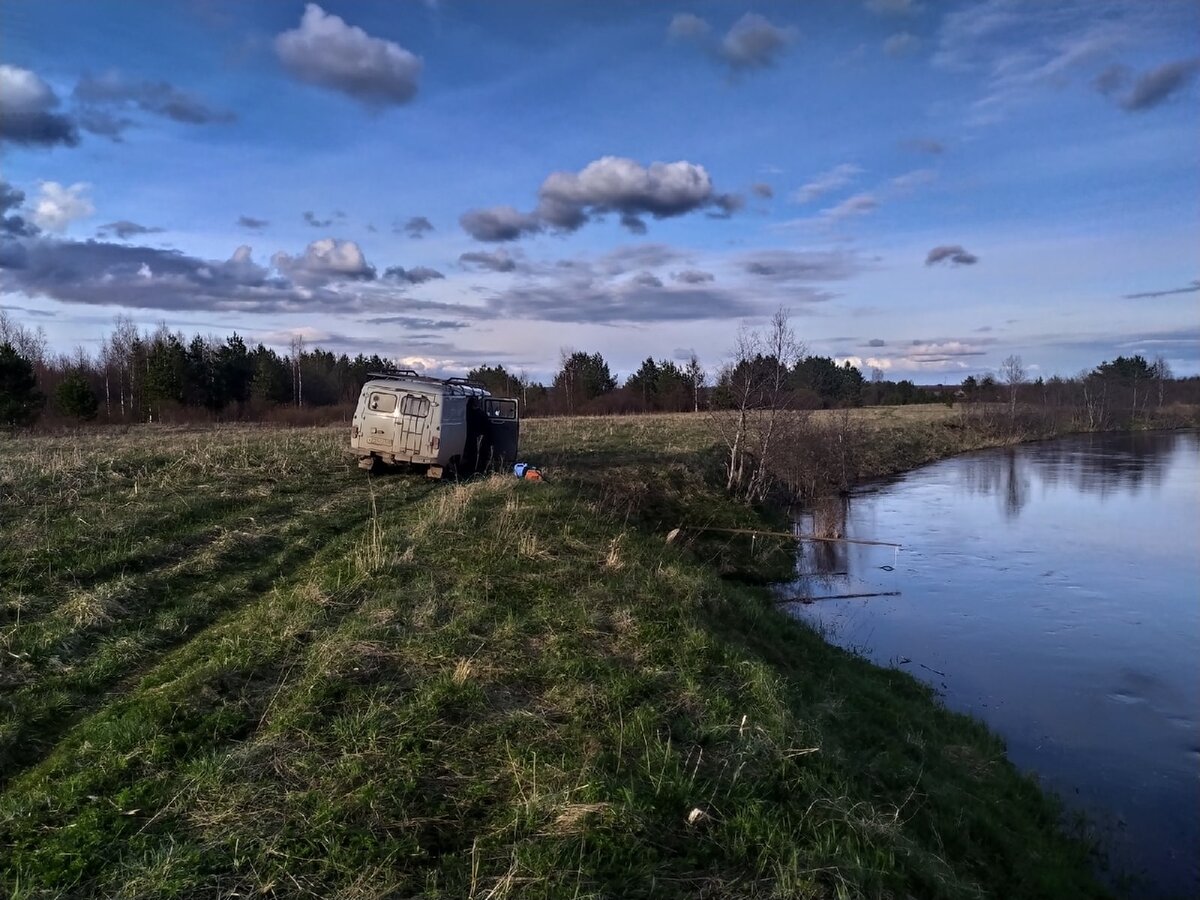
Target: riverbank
<point x="237" y="664"/>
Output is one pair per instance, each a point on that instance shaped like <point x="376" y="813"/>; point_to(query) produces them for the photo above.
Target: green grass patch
<point x="311" y="682"/>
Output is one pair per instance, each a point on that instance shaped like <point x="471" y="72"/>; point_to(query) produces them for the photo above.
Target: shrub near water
<point x="330" y="684"/>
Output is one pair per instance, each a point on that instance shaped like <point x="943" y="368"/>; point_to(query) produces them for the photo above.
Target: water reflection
<point x="824" y="560"/>
<point x="1107" y="464"/>
<point x="1050" y="589"/>
<point x="1095" y="464"/>
<point x="1003" y="473"/>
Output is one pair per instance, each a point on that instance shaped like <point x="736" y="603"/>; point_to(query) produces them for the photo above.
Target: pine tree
<point x="20" y="400"/>
<point x="74" y="396"/>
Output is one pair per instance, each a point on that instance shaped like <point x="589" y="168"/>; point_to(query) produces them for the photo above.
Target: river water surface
<point x="1052" y="590"/>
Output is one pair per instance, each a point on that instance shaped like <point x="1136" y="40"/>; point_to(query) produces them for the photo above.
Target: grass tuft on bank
<point x="233" y="664"/>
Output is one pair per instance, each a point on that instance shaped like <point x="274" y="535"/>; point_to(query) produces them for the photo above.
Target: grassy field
<point x="233" y="664"/>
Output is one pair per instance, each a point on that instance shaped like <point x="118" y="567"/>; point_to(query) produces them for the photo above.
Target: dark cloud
<point x="252" y="223"/>
<point x="952" y="253"/>
<point x="13" y="226"/>
<point x="1145" y="295"/>
<point x="43" y="313"/>
<point x="101" y="97"/>
<point x="783" y="266"/>
<point x="311" y="218"/>
<point x="876" y="342"/>
<point x="498" y="223"/>
<point x="327" y="52"/>
<point x="27" y="114"/>
<point x="416" y="227"/>
<point x="1153" y="87"/>
<point x="103" y="122"/>
<point x="107" y="274"/>
<point x="692" y="276"/>
<point x="494" y="262"/>
<point x="329" y="276"/>
<point x="1112" y="79"/>
<point x="124" y="229"/>
<point x="418" y="322"/>
<point x="753" y="41"/>
<point x="631" y="257"/>
<point x="762" y="189"/>
<point x="629" y="302"/>
<point x="415" y="275"/>
<point x="926" y="145"/>
<point x="725" y="205"/>
<point x="647" y="280"/>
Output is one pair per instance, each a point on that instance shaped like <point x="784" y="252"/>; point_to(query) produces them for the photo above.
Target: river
<point x="1053" y="591"/>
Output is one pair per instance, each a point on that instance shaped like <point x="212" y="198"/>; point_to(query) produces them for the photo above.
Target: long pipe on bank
<point x="674" y="533"/>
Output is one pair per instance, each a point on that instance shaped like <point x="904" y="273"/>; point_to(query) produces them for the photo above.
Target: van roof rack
<point x="457" y="384"/>
<point x="395" y="373"/>
<point x="466" y="382"/>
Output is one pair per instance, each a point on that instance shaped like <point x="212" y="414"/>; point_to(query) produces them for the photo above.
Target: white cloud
<point x="26" y="111"/>
<point x="57" y="206"/>
<point x="838" y="176"/>
<point x="686" y="25"/>
<point x="914" y="179"/>
<point x="612" y="184"/>
<point x="325" y="260"/>
<point x="858" y="205"/>
<point x="327" y="52"/>
<point x="901" y="43"/>
<point x="894" y="7"/>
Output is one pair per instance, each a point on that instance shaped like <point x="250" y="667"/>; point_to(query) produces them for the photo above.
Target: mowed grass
<point x="233" y="664"/>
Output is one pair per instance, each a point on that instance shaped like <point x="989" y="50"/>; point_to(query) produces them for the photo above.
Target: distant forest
<point x="162" y="376"/>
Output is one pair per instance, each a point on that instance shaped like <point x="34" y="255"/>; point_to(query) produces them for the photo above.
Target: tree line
<point x="160" y="375"/>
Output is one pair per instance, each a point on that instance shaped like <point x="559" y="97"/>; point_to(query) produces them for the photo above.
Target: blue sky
<point x="928" y="187"/>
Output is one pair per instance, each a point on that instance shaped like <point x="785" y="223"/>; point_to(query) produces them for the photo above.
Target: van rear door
<point x="413" y="422"/>
<point x="379" y="420"/>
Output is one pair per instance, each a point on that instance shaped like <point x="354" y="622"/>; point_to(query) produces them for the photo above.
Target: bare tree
<point x="297" y="347"/>
<point x="568" y="372"/>
<point x="695" y="375"/>
<point x="29" y="343"/>
<point x="757" y="378"/>
<point x="1162" y="374"/>
<point x="1012" y="373"/>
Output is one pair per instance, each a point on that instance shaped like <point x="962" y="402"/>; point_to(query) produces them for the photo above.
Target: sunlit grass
<point x="234" y="664"/>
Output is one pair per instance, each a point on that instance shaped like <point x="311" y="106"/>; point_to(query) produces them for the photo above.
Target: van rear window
<point x="414" y="405"/>
<point x="501" y="409"/>
<point x="383" y="403"/>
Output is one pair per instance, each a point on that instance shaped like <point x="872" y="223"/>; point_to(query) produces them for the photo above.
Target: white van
<point x="444" y="425"/>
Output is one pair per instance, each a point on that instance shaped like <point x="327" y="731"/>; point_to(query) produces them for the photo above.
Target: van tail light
<point x="435" y="442"/>
<point x="354" y="432"/>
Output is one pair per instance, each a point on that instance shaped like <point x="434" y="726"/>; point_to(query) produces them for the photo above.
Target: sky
<point x="928" y="187"/>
